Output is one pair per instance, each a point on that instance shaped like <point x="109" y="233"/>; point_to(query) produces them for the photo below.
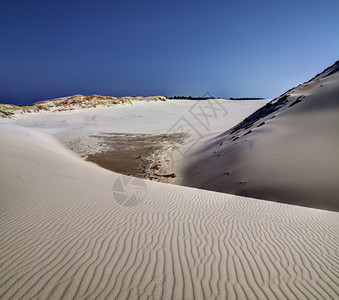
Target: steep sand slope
<point x="287" y="151"/>
<point x="64" y="236"/>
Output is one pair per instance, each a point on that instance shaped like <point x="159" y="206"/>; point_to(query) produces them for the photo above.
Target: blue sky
<point x="251" y="48"/>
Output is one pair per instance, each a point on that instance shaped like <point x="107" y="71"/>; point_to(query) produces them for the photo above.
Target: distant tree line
<point x="192" y="98"/>
<point x="247" y="98"/>
<point x="205" y="98"/>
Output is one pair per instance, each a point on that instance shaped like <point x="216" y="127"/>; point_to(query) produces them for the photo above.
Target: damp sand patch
<point x="138" y="155"/>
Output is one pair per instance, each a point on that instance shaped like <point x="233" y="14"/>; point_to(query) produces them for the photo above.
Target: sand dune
<point x="286" y="151"/>
<point x="72" y="103"/>
<point x="86" y="130"/>
<point x="64" y="235"/>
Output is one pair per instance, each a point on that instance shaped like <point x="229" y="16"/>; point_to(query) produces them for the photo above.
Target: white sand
<point x="64" y="235"/>
<point x="201" y="119"/>
<point x="290" y="155"/>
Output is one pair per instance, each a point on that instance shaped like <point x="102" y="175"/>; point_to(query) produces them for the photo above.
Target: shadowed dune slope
<point x="287" y="151"/>
<point x="64" y="236"/>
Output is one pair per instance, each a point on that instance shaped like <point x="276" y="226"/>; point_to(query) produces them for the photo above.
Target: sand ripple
<point x="63" y="236"/>
<point x="180" y="243"/>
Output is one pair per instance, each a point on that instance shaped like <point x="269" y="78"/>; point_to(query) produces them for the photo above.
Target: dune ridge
<point x="72" y="103"/>
<point x="67" y="237"/>
<point x="286" y="151"/>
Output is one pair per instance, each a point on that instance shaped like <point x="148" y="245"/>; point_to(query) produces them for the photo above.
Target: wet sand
<point x="136" y="155"/>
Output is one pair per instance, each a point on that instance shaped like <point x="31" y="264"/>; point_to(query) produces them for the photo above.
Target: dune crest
<point x="71" y="103"/>
<point x="286" y="151"/>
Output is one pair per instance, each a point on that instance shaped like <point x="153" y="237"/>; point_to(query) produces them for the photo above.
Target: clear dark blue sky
<point x="230" y="48"/>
